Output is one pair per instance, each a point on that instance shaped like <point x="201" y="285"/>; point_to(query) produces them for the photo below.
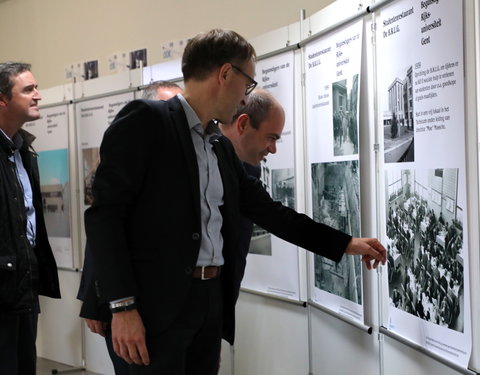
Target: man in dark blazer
<point x="168" y="196"/>
<point x="96" y="318"/>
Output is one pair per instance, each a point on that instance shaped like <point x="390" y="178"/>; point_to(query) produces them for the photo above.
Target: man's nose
<point x="272" y="148"/>
<point x="37" y="95"/>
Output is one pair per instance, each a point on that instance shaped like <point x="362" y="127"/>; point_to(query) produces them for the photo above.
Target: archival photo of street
<point x="398" y="129"/>
<point x="425" y="242"/>
<point x="261" y="242"/>
<point x="345" y="124"/>
<point x="283" y="186"/>
<point x="280" y="183"/>
<point x="55" y="189"/>
<point x="91" y="159"/>
<point x="336" y="202"/>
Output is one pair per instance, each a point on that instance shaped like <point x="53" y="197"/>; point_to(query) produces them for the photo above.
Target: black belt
<point x="205" y="273"/>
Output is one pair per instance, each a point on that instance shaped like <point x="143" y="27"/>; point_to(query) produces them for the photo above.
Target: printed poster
<point x="272" y="263"/>
<point x="332" y="75"/>
<point x="51" y="145"/>
<point x="93" y="118"/>
<point x="421" y="91"/>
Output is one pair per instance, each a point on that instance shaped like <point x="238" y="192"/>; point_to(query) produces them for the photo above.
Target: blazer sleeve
<point x="285" y="223"/>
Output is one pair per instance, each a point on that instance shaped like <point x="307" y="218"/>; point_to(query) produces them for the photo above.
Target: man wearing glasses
<point x="163" y="228"/>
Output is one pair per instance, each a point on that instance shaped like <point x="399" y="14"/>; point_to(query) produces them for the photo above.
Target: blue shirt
<point x="211" y="188"/>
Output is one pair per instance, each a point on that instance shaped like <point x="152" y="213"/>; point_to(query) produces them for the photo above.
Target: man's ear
<point x="224" y="71"/>
<point x="243" y="123"/>
<point x="3" y="100"/>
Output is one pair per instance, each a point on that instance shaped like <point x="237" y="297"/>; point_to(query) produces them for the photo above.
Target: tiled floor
<point x="45" y="367"/>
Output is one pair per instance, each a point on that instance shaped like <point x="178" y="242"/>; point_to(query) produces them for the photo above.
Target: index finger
<point x="378" y="251"/>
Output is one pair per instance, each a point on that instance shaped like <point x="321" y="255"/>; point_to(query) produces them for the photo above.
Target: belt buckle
<point x="203" y="274"/>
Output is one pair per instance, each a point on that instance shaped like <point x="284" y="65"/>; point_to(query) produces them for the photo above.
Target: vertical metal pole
<point x="305" y="157"/>
<point x="378" y="187"/>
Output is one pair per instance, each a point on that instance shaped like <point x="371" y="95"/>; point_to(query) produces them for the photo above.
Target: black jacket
<point x="24" y="272"/>
<point x="143" y="229"/>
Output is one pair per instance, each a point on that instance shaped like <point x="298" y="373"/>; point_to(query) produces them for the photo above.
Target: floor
<point x="45" y="367"/>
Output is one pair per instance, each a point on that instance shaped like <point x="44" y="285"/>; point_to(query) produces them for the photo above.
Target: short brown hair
<point x="8" y="70"/>
<point x="210" y="50"/>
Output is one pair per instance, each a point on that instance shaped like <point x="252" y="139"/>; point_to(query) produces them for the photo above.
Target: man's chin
<point x="34" y="116"/>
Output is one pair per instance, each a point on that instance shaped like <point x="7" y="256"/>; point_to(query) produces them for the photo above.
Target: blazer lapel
<point x="183" y="131"/>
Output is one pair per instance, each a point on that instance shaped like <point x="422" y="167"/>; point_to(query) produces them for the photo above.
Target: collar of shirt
<point x="13" y="144"/>
<point x="212" y="131"/>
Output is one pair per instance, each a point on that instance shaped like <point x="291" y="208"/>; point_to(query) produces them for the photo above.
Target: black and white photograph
<point x="398" y="129"/>
<point x="283" y="186"/>
<point x="90" y="69"/>
<point x="280" y="183"/>
<point x="335" y="199"/>
<point x="345" y="124"/>
<point x="138" y="58"/>
<point x="261" y="242"/>
<point x="91" y="159"/>
<point x="425" y="242"/>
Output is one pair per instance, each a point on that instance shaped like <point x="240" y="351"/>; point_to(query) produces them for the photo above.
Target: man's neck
<point x="9" y="126"/>
<point x="201" y="98"/>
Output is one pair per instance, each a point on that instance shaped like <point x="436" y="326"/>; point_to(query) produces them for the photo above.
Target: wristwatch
<point x="122" y="306"/>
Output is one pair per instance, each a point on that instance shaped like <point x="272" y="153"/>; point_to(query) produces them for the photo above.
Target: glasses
<point x="251" y="86"/>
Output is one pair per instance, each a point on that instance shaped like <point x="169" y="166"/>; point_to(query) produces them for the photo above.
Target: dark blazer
<point x="23" y="276"/>
<point x="144" y="226"/>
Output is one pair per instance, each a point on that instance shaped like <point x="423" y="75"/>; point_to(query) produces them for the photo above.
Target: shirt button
<point x="195" y="236"/>
<point x="188" y="270"/>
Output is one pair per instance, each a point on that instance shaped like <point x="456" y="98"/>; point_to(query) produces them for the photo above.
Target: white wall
<point x="271" y="336"/>
<point x="59" y="328"/>
<point x="52" y="34"/>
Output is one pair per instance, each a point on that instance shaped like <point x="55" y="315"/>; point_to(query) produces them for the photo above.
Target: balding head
<point x="256" y="127"/>
<point x="161" y="90"/>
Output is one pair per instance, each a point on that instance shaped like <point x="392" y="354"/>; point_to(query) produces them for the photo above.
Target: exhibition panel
<point x="52" y="148"/>
<point x="273" y="265"/>
<point x="426" y="230"/>
<point x="380" y="140"/>
<point x="333" y="66"/>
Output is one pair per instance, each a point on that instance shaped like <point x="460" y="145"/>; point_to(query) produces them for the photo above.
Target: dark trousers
<point x="18" y="333"/>
<point x="191" y="346"/>
<point x="120" y="366"/>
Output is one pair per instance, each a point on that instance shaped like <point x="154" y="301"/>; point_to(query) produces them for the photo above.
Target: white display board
<point x="272" y="263"/>
<point x="421" y="94"/>
<point x="51" y="145"/>
<point x="332" y="75"/>
<point x="167" y="71"/>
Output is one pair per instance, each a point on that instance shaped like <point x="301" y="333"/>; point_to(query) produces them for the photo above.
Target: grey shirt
<point x="211" y="188"/>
